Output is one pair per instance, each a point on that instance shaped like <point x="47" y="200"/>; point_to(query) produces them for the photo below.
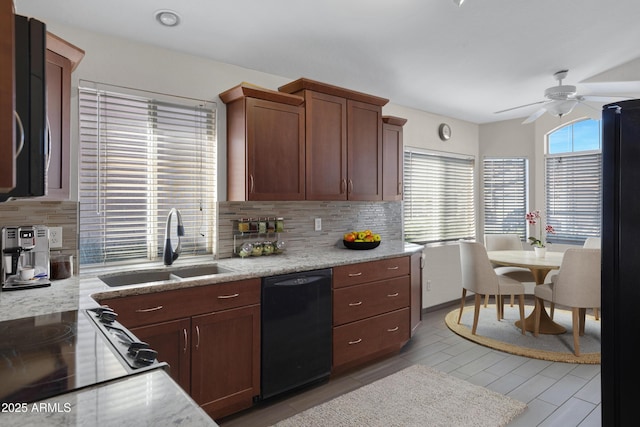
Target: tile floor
<point x="557" y="394"/>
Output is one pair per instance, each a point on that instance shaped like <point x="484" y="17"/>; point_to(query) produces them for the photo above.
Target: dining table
<point x="540" y="267"/>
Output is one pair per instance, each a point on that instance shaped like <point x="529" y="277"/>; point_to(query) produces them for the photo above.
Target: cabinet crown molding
<point x="304" y="83"/>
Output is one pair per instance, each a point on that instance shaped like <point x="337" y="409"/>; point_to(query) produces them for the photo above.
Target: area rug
<point x="416" y="396"/>
<point x="505" y="336"/>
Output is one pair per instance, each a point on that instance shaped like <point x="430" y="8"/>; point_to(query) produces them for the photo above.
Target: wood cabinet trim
<point x="304" y="83"/>
<point x="393" y="120"/>
<point x="66" y="49"/>
<point x="244" y="90"/>
<point x="7" y="97"/>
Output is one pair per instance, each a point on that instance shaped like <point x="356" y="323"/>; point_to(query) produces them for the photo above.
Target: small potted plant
<point x="538" y="243"/>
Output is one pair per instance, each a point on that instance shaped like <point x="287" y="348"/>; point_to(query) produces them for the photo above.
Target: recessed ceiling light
<point x="168" y="18"/>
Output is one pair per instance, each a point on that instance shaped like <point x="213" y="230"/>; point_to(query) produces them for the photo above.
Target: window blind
<point x="139" y="157"/>
<point x="574" y="196"/>
<point x="505" y="195"/>
<point x="438" y="197"/>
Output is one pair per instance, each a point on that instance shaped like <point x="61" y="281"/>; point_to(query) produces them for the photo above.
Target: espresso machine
<point x="25" y="257"/>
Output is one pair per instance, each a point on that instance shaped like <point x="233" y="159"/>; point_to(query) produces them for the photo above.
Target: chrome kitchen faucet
<point x="169" y="254"/>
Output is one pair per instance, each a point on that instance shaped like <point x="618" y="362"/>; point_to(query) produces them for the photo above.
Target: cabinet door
<point x="226" y="360"/>
<point x="171" y="341"/>
<point x="364" y="151"/>
<point x="392" y="158"/>
<point x="275" y="150"/>
<point x="326" y="145"/>
<point x="58" y="120"/>
<point x="7" y="98"/>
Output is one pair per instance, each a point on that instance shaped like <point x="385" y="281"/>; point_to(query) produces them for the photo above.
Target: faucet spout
<point x="169" y="254"/>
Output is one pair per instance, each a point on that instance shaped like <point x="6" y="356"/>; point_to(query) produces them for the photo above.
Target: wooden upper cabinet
<point x="326" y="146"/>
<point x="364" y="151"/>
<point x="265" y="144"/>
<point x="343" y="141"/>
<point x="7" y="98"/>
<point x="392" y="158"/>
<point x="62" y="58"/>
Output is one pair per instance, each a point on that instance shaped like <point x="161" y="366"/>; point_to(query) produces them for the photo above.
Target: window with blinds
<point x="505" y="195"/>
<point x="139" y="157"/>
<point x="438" y="197"/>
<point x="574" y="197"/>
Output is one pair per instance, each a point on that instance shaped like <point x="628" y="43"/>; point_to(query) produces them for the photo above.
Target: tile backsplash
<point x="50" y="213"/>
<point x="337" y="218"/>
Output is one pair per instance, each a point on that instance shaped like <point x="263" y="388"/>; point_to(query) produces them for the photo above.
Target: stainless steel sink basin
<point x="199" y="270"/>
<point x="137" y="277"/>
<point x="174" y="274"/>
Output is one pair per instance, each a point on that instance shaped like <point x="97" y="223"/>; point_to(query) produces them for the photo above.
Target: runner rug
<point x="416" y="396"/>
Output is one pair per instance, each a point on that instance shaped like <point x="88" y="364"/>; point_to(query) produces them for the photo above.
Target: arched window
<point x="573" y="184"/>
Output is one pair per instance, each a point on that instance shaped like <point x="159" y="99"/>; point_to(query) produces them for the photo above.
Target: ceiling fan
<point x="560" y="99"/>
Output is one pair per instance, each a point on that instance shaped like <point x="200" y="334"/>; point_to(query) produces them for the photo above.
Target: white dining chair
<point x="577" y="285"/>
<point x="479" y="277"/>
<point x="506" y="242"/>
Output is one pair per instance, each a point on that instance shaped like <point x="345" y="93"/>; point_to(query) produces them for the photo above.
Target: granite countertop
<point x="87" y="406"/>
<point x="150" y="399"/>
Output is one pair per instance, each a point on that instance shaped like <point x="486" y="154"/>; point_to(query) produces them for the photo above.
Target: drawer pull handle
<point x="358" y="341"/>
<point x="184" y="331"/>
<point x="393" y="268"/>
<point x="228" y="296"/>
<point x="393" y="295"/>
<point x="197" y="336"/>
<point x="355" y="274"/>
<point x="353" y="304"/>
<point x="146" y="310"/>
<point x="393" y="329"/>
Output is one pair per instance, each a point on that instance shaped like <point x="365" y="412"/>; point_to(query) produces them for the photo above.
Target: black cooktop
<point x="47" y="355"/>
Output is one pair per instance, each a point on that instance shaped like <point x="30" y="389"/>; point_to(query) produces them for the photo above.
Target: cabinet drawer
<point x="360" y="339"/>
<point x="358" y="302"/>
<point x="354" y="274"/>
<point x="157" y="307"/>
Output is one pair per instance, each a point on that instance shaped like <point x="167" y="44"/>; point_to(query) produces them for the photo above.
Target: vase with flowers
<point x="534" y="218"/>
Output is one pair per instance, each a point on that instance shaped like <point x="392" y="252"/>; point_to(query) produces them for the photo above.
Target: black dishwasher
<point x="296" y="330"/>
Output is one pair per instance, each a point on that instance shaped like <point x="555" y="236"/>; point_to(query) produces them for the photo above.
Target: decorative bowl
<point x="361" y="245"/>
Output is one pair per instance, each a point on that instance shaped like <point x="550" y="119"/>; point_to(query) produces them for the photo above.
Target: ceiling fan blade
<point x="534" y="116"/>
<point x="520" y="106"/>
<point x="602" y="98"/>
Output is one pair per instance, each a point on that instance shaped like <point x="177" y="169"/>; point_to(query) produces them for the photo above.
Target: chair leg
<point x="537" y="310"/>
<point x="486" y="300"/>
<point x="464" y="295"/>
<point x="596" y="313"/>
<point x="521" y="303"/>
<point x="512" y="299"/>
<point x="576" y="330"/>
<point x="476" y="313"/>
<point x="498" y="307"/>
<point x="583" y="313"/>
<point x="552" y="307"/>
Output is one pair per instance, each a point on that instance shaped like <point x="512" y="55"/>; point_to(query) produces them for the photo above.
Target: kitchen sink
<point x="161" y="275"/>
<point x="137" y="277"/>
<point x="199" y="270"/>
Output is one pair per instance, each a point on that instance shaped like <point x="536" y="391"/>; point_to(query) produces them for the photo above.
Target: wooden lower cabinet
<point x="171" y="341"/>
<point x="225" y="362"/>
<point x="370" y="337"/>
<point x="371" y="310"/>
<point x="209" y="336"/>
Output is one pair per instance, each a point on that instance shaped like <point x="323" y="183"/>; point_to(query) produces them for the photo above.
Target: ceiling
<point x="463" y="62"/>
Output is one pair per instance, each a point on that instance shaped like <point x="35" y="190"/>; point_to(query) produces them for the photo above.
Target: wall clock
<point x="444" y="131"/>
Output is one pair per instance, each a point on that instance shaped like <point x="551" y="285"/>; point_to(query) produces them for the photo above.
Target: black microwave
<point x="32" y="141"/>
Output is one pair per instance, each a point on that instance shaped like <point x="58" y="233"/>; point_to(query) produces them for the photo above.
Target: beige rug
<point x="416" y="396"/>
<point x="505" y="336"/>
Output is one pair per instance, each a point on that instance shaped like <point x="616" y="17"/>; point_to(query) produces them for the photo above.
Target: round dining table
<point x="540" y="267"/>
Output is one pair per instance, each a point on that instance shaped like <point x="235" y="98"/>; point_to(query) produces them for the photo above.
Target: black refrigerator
<point x="620" y="375"/>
